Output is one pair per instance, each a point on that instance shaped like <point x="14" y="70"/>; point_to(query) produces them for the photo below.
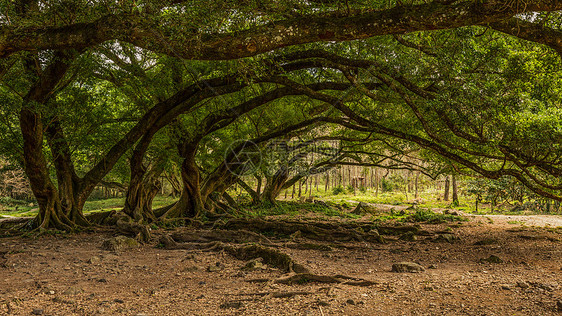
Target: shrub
<point x="338" y="190"/>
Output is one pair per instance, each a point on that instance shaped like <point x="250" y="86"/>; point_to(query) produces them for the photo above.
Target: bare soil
<point x="73" y="275"/>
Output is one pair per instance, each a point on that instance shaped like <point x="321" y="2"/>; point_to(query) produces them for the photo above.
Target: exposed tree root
<point x="13" y="226"/>
<point x="315" y="231"/>
<point x="398" y="230"/>
<point x="127" y="226"/>
<point x="237" y="236"/>
<point x="308" y="246"/>
<point x="100" y="218"/>
<point x="308" y="277"/>
<point x="270" y="256"/>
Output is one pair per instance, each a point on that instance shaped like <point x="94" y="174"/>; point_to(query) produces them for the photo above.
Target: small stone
<point x="450" y="238"/>
<point x="37" y="311"/>
<point x="492" y="259"/>
<point x="506" y="287"/>
<point x="120" y="301"/>
<point x="231" y="305"/>
<point x="214" y="268"/>
<point x="407" y="267"/>
<point x="73" y="290"/>
<point x="253" y="265"/>
<point x="119" y="243"/>
<point x="432" y="266"/>
<point x="522" y="284"/>
<point x="559" y="305"/>
<point x="94" y="260"/>
<point x="350" y="302"/>
<point x="191" y="269"/>
<point x="322" y="303"/>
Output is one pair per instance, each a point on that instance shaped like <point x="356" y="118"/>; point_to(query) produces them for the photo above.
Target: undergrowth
<point x="293" y="209"/>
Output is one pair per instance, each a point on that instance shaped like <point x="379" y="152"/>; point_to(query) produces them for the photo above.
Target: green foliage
<point x="427" y="216"/>
<point x="338" y="190"/>
<point x="293" y="209"/>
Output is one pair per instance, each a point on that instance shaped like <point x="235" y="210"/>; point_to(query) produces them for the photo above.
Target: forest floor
<point x="72" y="274"/>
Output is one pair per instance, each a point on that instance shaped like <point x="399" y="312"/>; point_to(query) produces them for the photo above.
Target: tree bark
<point x="191" y="203"/>
<point x="446" y="194"/>
<point x="51" y="213"/>
<point x="455" y="193"/>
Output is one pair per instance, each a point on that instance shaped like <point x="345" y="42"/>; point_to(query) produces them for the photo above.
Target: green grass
<point x="418" y="216"/>
<point x="293" y="209"/>
<point x="89" y="207"/>
<point x="427" y="216"/>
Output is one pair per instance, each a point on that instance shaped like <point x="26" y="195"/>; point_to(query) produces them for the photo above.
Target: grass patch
<point x="293" y="209"/>
<point x="427" y="216"/>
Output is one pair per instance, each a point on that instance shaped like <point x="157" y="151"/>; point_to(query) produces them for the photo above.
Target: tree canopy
<point x="97" y="91"/>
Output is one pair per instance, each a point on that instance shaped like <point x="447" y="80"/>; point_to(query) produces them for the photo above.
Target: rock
<point x="407" y="267"/>
<point x="559" y="305"/>
<point x="350" y="302"/>
<point x="322" y="303"/>
<point x="450" y="238"/>
<point x="190" y="269"/>
<point x="120" y="301"/>
<point x="236" y="304"/>
<point x="37" y="311"/>
<point x="491" y="259"/>
<point x="119" y="243"/>
<point x="506" y="287"/>
<point x="252" y="265"/>
<point x="215" y="268"/>
<point x="522" y="284"/>
<point x="73" y="290"/>
<point x="432" y="266"/>
<point x="409" y="236"/>
<point x="94" y="260"/>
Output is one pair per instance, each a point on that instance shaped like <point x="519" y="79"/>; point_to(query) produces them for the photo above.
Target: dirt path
<point x="72" y="275"/>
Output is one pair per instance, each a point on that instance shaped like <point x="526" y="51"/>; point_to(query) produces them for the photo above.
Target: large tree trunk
<point x="174" y="182"/>
<point x="274" y="185"/>
<point x="256" y="198"/>
<point x="143" y="188"/>
<point x="455" y="191"/>
<point x="446" y="194"/>
<point x="70" y="187"/>
<point x="191" y="203"/>
<point x="51" y="213"/>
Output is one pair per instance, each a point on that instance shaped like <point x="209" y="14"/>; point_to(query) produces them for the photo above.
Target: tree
<point x="452" y="101"/>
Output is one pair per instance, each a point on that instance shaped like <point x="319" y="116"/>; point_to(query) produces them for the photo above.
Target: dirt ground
<point x="73" y="275"/>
